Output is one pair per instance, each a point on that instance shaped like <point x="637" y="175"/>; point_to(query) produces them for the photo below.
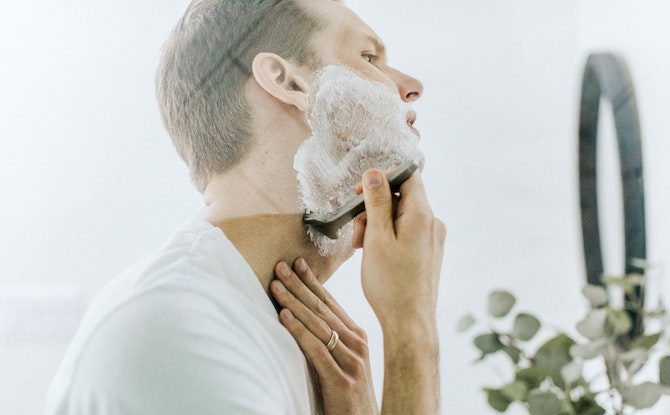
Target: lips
<point x="411" y="119"/>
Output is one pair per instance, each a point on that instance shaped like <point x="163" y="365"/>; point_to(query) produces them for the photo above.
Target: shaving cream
<point x="355" y="124"/>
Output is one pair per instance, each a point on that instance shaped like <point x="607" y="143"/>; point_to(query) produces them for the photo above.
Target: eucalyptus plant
<point x="550" y="379"/>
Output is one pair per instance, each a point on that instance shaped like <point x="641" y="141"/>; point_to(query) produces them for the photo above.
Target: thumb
<point x="378" y="204"/>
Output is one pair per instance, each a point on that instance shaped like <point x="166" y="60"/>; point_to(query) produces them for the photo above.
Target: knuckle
<point x="308" y="277"/>
<point x="325" y="328"/>
<point x="297" y="330"/>
<point x="441" y="229"/>
<point x="347" y="383"/>
<point x="291" y="283"/>
<point x="425" y="217"/>
<point x="378" y="198"/>
<point x="358" y="368"/>
<point x="361" y="333"/>
<point x="327" y="297"/>
<point x="360" y="347"/>
<point x="320" y="308"/>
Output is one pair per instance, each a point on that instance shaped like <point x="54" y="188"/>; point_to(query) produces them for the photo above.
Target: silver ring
<point x="334" y="339"/>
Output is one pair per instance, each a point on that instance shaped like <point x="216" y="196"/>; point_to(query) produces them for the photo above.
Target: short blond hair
<point x="204" y="66"/>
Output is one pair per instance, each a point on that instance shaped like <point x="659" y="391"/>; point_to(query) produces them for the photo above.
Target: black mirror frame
<point x="606" y="76"/>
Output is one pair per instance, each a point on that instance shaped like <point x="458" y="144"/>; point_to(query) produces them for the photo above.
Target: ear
<point x="281" y="79"/>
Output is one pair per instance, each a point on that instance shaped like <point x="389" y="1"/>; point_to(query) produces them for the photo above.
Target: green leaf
<point x="465" y="323"/>
<point x="514" y="353"/>
<point x="571" y="372"/>
<point x="646" y="342"/>
<point x="633" y="355"/>
<point x="544" y="403"/>
<point x="657" y="313"/>
<point x="488" y="343"/>
<point x="500" y="303"/>
<point x="596" y="295"/>
<point x="619" y="321"/>
<point x="525" y="327"/>
<point x="644" y="395"/>
<point x="664" y="371"/>
<point x="593" y="325"/>
<point x="589" y="350"/>
<point x="553" y="355"/>
<point x="516" y="391"/>
<point x="586" y="405"/>
<point x="532" y="376"/>
<point x="497" y="400"/>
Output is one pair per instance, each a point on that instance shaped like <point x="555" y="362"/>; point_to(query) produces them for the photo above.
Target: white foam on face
<point x="356" y="125"/>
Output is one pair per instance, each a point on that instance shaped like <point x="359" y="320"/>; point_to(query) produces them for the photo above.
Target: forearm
<point x="411" y="370"/>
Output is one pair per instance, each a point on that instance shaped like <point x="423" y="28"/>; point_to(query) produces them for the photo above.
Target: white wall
<point x="90" y="181"/>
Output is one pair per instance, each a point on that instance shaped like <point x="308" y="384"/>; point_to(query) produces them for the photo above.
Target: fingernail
<point x="302" y="265"/>
<point x="287" y="314"/>
<point x="372" y="179"/>
<point x="284" y="270"/>
<point x="280" y="287"/>
<point x="362" y="220"/>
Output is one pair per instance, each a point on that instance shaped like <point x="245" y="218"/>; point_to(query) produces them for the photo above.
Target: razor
<point x="329" y="223"/>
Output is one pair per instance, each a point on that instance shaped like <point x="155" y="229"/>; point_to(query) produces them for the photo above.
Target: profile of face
<point x="356" y="124"/>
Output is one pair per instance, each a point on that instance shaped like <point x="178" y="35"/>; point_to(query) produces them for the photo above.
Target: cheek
<point x="386" y="79"/>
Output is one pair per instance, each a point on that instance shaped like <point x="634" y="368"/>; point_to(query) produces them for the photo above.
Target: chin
<point x="332" y="262"/>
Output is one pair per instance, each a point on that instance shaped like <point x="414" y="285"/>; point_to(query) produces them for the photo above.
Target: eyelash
<point x="369" y="57"/>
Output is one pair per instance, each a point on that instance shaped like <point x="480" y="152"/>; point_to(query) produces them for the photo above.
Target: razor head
<point x="330" y="223"/>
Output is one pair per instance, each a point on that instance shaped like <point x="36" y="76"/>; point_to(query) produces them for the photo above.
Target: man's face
<point x="355" y="124"/>
<point x="360" y="117"/>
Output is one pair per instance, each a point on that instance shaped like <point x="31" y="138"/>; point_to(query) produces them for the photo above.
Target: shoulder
<point x="178" y="333"/>
<point x="175" y="352"/>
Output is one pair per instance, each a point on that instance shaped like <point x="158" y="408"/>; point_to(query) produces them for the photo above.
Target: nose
<point x="409" y="88"/>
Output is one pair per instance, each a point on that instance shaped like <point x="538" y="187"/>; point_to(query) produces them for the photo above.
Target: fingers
<point x="359" y="231"/>
<point x="311" y="346"/>
<point x="305" y="274"/>
<point x="360" y="221"/>
<point x="342" y="368"/>
<point x="311" y="303"/>
<point x="343" y="376"/>
<point x="378" y="204"/>
<point x="315" y="324"/>
<point x="413" y="194"/>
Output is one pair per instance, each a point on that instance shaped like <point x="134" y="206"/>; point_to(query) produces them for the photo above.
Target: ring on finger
<point x="332" y="342"/>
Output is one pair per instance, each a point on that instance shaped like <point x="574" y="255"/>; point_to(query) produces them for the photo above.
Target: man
<point x="189" y="330"/>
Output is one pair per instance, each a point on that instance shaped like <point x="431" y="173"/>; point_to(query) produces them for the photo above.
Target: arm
<point x="402" y="257"/>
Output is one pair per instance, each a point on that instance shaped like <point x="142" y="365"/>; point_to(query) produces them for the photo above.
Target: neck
<point x="265" y="240"/>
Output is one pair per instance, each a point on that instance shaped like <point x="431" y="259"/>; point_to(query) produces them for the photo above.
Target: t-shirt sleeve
<point x="173" y="352"/>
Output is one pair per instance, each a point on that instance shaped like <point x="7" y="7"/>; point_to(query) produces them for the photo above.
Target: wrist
<point x="407" y="334"/>
<point x="411" y="368"/>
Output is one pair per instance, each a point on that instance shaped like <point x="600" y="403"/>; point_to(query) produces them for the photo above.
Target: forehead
<point x="342" y="27"/>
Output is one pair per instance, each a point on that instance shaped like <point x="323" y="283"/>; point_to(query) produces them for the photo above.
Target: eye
<point x="369" y="57"/>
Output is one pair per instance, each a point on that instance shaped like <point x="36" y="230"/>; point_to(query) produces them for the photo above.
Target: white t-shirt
<point x="188" y="330"/>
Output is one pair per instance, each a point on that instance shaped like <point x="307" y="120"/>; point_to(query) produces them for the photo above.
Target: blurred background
<point x="90" y="182"/>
